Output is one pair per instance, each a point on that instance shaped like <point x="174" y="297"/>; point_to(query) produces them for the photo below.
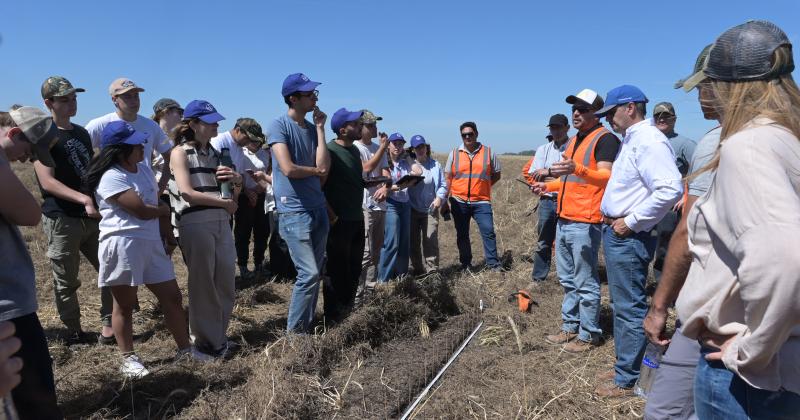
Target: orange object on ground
<point x="524" y="301"/>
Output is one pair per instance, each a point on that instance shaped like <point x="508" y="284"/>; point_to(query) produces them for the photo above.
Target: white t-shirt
<point x="258" y="161"/>
<point x="156" y="137"/>
<point x="367" y="152"/>
<point x="225" y="140"/>
<point x="116" y="220"/>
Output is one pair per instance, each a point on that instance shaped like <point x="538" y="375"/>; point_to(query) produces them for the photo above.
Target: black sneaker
<point x="77" y="337"/>
<point x="106" y="341"/>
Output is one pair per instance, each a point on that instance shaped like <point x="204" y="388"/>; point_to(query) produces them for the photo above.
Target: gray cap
<point x="697" y="75"/>
<point x="38" y="129"/>
<point x="744" y="53"/>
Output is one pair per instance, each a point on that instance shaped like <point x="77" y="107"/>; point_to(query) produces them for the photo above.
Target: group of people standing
<point x="354" y="212"/>
<point x="127" y="190"/>
<point x="723" y="248"/>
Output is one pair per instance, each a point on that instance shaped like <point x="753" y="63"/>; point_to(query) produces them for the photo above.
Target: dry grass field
<point x="372" y="365"/>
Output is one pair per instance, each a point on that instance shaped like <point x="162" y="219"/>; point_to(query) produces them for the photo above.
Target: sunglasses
<point x="581" y="109"/>
<point x="315" y="94"/>
<point x="467" y="134"/>
<point x="663" y="116"/>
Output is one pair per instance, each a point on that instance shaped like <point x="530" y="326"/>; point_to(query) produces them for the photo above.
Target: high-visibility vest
<point x="579" y="200"/>
<point x="472" y="176"/>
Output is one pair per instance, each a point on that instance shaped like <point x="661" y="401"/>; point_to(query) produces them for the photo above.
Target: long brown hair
<point x="182" y="133"/>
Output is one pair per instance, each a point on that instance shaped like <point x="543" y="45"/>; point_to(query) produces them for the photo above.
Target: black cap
<point x="558" y="119"/>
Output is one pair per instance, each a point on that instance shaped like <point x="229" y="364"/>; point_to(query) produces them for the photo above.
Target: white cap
<point x="587" y="95"/>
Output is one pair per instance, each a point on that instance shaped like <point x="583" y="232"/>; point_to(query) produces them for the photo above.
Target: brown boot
<point x="579" y="346"/>
<point x="606" y="375"/>
<point x="611" y="390"/>
<point x="561" y="338"/>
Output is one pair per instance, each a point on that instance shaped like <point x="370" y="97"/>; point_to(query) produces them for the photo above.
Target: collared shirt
<point x="546" y="155"/>
<point x="493" y="161"/>
<point x="226" y="141"/>
<point x="744" y="234"/>
<point x="433" y="186"/>
<point x="645" y="182"/>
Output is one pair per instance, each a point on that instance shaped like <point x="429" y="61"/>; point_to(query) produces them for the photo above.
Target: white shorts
<point x="133" y="262"/>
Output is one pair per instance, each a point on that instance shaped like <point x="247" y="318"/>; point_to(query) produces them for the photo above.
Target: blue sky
<point x="425" y="66"/>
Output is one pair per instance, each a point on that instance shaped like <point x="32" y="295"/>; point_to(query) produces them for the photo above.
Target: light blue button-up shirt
<point x="423" y="194"/>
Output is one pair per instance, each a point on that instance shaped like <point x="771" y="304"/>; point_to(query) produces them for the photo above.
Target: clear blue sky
<point x="425" y="66"/>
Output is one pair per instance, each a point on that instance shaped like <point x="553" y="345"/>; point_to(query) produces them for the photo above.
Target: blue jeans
<point x="627" y="261"/>
<point x="577" y="245"/>
<point x="546" y="231"/>
<point x="721" y="394"/>
<point x="482" y="213"/>
<point x="396" y="241"/>
<point x="305" y="233"/>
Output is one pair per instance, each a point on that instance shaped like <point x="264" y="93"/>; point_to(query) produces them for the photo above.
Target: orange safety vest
<point x="472" y="176"/>
<point x="579" y="200"/>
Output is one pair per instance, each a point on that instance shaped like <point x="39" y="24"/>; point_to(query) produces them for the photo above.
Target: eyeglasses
<point x="581" y="109"/>
<point x="315" y="94"/>
<point x="468" y="134"/>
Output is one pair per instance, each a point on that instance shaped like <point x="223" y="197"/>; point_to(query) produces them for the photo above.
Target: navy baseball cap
<point x="202" y="110"/>
<point x="621" y="95"/>
<point x="396" y="137"/>
<point x="417" y="140"/>
<point x="298" y="82"/>
<point x="342" y="116"/>
<point x="120" y="132"/>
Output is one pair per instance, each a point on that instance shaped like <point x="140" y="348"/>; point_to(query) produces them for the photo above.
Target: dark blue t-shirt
<point x="295" y="194"/>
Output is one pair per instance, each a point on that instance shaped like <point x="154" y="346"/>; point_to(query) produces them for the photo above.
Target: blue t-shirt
<point x="295" y="194"/>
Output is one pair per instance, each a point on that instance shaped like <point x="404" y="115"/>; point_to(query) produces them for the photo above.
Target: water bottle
<point x="226" y="192"/>
<point x="649" y="369"/>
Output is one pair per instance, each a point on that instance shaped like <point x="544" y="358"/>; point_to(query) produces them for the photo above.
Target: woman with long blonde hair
<point x="741" y="299"/>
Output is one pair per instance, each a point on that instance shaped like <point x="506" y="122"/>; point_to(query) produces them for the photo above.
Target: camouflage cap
<point x="664" y="108"/>
<point x="689" y="82"/>
<point x="58" y="86"/>
<point x="251" y="129"/>
<point x="367" y="117"/>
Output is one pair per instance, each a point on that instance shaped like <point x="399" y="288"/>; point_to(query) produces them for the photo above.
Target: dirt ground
<point x="372" y="365"/>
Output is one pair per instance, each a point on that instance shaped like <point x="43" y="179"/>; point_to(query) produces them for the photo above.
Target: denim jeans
<point x="721" y="394"/>
<point x="306" y="233"/>
<point x="546" y="231"/>
<point x="627" y="261"/>
<point x="396" y="241"/>
<point x="482" y="213"/>
<point x="577" y="245"/>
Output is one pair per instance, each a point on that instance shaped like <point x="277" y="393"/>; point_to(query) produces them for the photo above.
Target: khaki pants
<point x="211" y="262"/>
<point x="374" y="221"/>
<point x="67" y="238"/>
<point x="424" y="242"/>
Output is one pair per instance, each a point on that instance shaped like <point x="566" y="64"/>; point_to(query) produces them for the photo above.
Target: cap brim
<point x="136" y="88"/>
<point x="307" y="86"/>
<point x="211" y="118"/>
<point x="571" y="99"/>
<point x="254" y="137"/>
<point x="80" y="90"/>
<point x="604" y="110"/>
<point x="692" y="81"/>
<point x="137" y="137"/>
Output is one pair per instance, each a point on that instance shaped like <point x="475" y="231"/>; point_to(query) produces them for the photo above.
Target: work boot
<point x="561" y="338"/>
<point x="612" y="390"/>
<point x="579" y="346"/>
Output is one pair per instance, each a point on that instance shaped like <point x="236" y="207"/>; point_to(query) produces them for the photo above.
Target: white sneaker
<point x="132" y="367"/>
<point x="194" y="354"/>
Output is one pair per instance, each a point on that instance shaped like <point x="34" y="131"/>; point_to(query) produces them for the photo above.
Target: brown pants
<point x="211" y="261"/>
<point x="424" y="242"/>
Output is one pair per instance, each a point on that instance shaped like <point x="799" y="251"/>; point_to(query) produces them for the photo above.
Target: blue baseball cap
<point x="621" y="95"/>
<point x="120" y="132"/>
<point x="342" y="116"/>
<point x="202" y="110"/>
<point x="416" y="140"/>
<point x="298" y="82"/>
<point x="396" y="137"/>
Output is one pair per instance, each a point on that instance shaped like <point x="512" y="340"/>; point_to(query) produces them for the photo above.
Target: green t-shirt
<point x="344" y="188"/>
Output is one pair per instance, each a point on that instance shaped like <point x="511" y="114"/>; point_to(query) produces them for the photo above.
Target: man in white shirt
<point x="125" y="96"/>
<point x="374" y="163"/>
<point x="235" y="140"/>
<point x="645" y="183"/>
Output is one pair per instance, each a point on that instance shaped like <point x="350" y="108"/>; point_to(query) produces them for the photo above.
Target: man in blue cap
<point x="299" y="159"/>
<point x="644" y="185"/>
<point x="344" y="188"/>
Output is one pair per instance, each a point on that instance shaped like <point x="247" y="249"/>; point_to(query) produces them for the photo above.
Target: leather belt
<point x="610" y="220"/>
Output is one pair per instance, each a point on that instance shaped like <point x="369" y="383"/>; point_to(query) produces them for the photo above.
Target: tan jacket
<point x="744" y="236"/>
